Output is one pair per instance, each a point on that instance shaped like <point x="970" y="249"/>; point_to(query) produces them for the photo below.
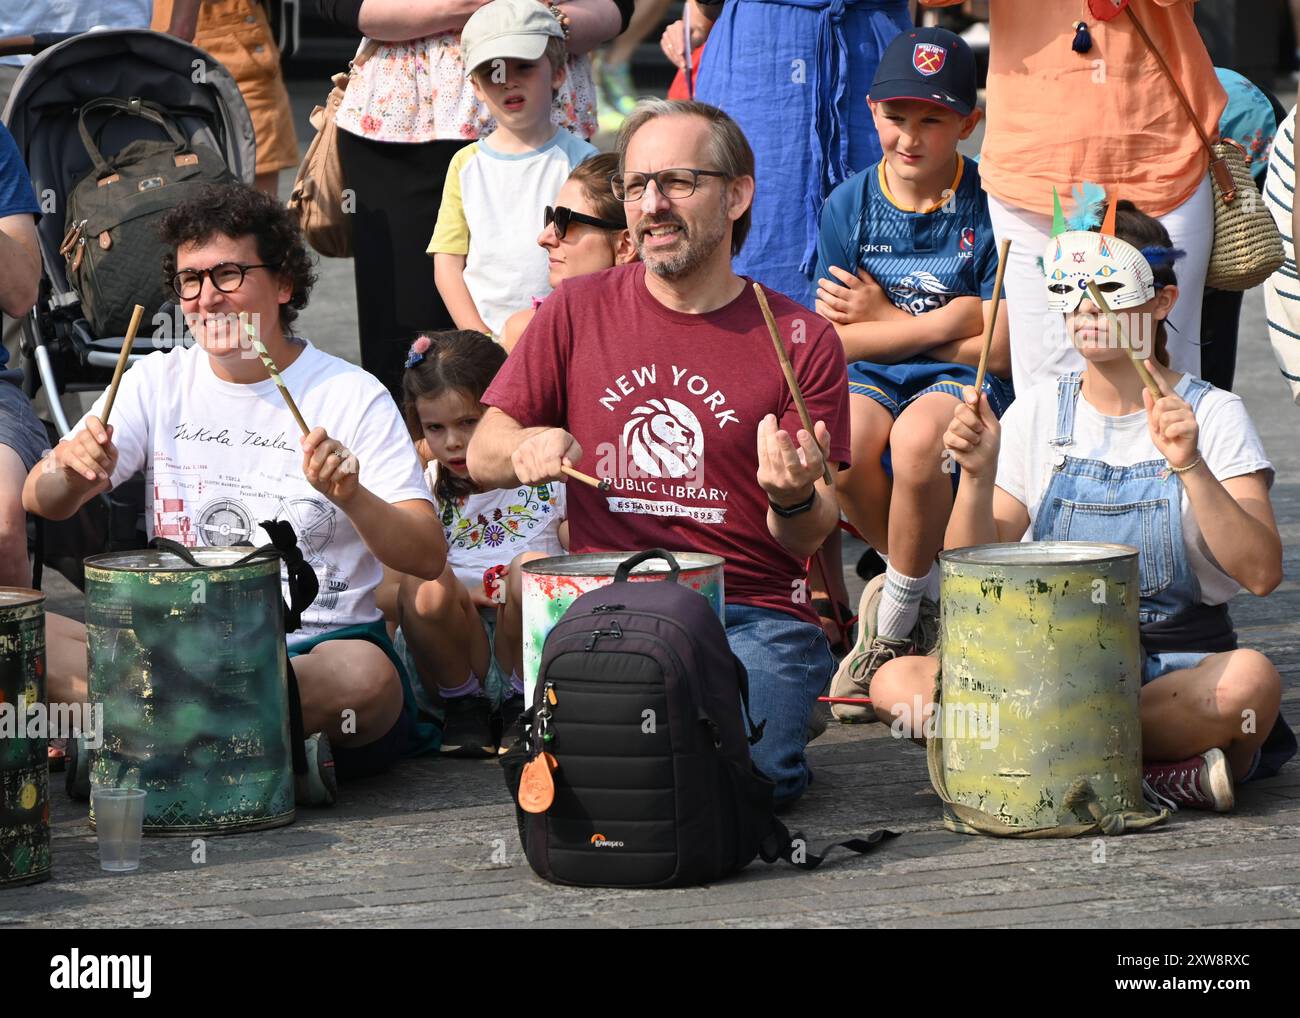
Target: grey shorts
<point x="19" y="427"/>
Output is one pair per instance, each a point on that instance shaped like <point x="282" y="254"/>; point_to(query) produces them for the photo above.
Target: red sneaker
<point x="1203" y="782"/>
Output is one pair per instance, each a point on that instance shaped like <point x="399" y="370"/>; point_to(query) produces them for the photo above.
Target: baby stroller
<point x="60" y="352"/>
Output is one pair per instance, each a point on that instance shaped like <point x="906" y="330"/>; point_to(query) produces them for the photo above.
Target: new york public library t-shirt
<point x="220" y="457"/>
<point x="667" y="405"/>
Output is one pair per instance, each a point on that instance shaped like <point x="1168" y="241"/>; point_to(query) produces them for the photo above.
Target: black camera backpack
<point x="639" y="705"/>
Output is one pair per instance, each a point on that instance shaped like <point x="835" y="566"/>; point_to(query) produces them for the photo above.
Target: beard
<point x="697" y="245"/>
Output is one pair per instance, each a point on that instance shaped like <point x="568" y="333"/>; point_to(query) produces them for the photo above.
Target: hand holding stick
<point x="788" y="370"/>
<point x="992" y="322"/>
<point x="578" y="475"/>
<point x="1147" y="379"/>
<point x="122" y="360"/>
<point x="272" y="370"/>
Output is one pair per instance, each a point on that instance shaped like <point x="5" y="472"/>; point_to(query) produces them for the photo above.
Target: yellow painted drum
<point x="1038" y="731"/>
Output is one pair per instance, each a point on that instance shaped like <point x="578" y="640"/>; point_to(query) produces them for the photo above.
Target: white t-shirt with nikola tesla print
<point x="220" y="457"/>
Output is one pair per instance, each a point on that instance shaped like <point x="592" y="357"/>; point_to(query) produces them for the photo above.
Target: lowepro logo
<point x="600" y="841"/>
<point x="102" y="972"/>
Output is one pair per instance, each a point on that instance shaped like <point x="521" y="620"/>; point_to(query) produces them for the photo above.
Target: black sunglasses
<point x="562" y="217"/>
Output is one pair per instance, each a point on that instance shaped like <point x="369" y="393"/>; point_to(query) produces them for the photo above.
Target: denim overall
<point x="1141" y="506"/>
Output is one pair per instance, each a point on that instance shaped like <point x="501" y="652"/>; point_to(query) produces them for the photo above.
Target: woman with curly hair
<point x="221" y="453"/>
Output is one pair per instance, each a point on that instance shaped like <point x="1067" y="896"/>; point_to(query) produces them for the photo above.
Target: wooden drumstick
<point x="272" y="370"/>
<point x="788" y="369"/>
<point x="993" y="320"/>
<point x="578" y="475"/>
<point x="690" y="56"/>
<point x="1147" y="378"/>
<point x="122" y="360"/>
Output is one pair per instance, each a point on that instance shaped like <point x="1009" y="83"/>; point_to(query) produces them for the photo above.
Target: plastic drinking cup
<point x="119" y="820"/>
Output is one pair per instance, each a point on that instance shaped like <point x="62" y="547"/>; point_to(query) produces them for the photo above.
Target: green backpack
<point x="112" y="249"/>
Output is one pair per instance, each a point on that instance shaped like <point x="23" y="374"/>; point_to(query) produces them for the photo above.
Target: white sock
<point x="932" y="583"/>
<point x="900" y="604"/>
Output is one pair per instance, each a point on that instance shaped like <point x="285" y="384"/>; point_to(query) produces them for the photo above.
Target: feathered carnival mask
<point x="1078" y="254"/>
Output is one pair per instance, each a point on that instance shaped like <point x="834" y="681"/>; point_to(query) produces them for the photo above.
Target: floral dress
<point x="418" y="91"/>
<point x="490" y="528"/>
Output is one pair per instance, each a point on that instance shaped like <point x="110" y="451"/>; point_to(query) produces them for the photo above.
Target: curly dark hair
<point x="458" y="359"/>
<point x="236" y="210"/>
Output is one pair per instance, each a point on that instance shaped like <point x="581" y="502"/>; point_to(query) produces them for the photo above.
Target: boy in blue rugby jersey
<point x="906" y="267"/>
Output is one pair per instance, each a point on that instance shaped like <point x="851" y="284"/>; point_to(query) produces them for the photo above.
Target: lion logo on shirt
<point x="664" y="438"/>
<point x="919" y="292"/>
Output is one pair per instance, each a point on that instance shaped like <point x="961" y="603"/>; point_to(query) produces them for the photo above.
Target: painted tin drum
<point x="24" y="771"/>
<point x="1042" y="667"/>
<point x="189" y="664"/>
<point x="550" y="585"/>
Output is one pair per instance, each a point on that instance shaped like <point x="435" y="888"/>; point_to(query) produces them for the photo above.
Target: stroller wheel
<point x="77" y="777"/>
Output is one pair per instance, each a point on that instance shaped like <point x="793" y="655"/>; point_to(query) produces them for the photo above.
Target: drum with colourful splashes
<point x="24" y="771"/>
<point x="1041" y="669"/>
<point x="190" y="666"/>
<point x="550" y="585"/>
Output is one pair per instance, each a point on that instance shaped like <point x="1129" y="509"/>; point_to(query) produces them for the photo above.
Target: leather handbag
<point x="318" y="198"/>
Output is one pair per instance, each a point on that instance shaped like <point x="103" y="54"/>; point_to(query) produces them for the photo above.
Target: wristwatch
<point x="786" y="511"/>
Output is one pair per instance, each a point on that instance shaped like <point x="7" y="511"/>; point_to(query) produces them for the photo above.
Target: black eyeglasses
<point x="226" y="277"/>
<point x="674" y="183"/>
<point x="562" y="217"/>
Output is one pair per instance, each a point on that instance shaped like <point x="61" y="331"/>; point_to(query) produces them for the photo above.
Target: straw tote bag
<point x="317" y="196"/>
<point x="1247" y="244"/>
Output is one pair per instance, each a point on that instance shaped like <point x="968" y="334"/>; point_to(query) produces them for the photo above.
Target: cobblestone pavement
<point x="434" y="843"/>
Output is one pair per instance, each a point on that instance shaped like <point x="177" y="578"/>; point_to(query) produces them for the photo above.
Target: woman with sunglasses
<point x="584" y="232"/>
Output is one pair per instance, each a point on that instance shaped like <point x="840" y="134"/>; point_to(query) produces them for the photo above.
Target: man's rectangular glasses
<point x="672" y="183"/>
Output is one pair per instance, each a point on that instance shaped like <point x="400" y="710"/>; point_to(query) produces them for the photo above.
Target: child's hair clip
<point x="418" y="349"/>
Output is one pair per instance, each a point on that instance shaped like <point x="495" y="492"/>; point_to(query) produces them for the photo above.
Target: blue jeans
<point x="789" y="664"/>
<point x="1156" y="665"/>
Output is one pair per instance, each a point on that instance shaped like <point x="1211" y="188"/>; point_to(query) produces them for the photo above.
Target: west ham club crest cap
<point x="930" y="64"/>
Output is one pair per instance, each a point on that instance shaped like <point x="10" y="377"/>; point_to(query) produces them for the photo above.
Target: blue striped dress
<point x="794" y="74"/>
<point x="1282" y="289"/>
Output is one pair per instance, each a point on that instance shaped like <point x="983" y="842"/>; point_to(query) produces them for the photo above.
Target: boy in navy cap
<point x="906" y="266"/>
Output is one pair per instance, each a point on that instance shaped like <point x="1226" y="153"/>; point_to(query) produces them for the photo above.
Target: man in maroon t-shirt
<point x="664" y="370"/>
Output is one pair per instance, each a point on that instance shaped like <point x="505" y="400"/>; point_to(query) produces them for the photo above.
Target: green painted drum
<point x="24" y="770"/>
<point x="190" y="667"/>
<point x="1041" y="666"/>
<point x="550" y="585"/>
